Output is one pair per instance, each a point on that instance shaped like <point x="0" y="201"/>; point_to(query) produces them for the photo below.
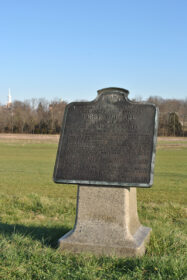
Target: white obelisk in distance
<point x="9" y="98"/>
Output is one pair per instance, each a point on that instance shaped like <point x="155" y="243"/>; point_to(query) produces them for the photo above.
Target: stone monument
<point x="107" y="147"/>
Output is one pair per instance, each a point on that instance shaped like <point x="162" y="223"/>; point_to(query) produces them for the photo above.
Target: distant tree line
<point x="172" y="116"/>
<point x="38" y="116"/>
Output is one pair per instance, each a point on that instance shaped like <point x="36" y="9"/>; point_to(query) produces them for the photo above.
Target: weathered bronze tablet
<point x="107" y="142"/>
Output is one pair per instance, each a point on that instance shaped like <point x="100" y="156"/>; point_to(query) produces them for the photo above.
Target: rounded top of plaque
<point x="112" y="90"/>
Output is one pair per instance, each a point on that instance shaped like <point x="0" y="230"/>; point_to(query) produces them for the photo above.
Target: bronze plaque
<point x="109" y="141"/>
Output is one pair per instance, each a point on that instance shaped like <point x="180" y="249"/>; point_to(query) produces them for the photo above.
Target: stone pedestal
<point x="106" y="223"/>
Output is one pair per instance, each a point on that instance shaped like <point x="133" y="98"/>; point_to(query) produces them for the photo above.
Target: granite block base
<point x="106" y="223"/>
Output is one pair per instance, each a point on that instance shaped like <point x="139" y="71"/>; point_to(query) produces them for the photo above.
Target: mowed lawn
<point x="35" y="212"/>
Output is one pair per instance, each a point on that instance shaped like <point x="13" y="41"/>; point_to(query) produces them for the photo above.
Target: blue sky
<point x="70" y="49"/>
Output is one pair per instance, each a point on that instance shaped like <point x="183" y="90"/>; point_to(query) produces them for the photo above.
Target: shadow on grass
<point x="46" y="235"/>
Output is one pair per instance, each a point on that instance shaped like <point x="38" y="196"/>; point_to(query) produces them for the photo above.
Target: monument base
<point x="106" y="223"/>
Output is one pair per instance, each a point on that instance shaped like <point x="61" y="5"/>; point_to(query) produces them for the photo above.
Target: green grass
<point x="35" y="212"/>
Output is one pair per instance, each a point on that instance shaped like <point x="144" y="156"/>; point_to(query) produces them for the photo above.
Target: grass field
<point x="35" y="212"/>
